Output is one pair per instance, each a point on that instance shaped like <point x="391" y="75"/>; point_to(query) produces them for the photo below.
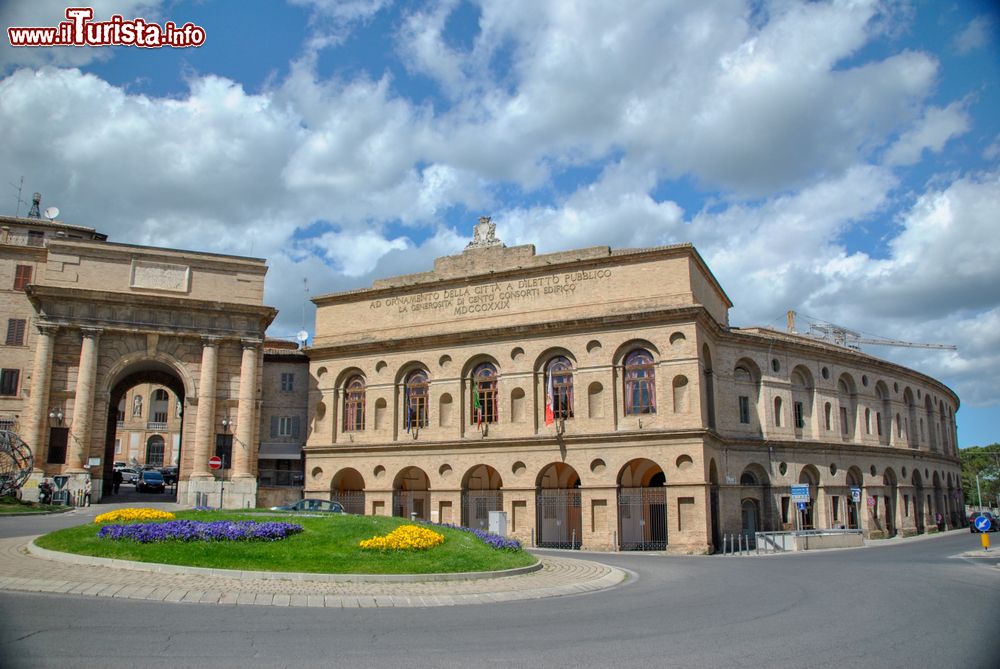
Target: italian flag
<point x="550" y="413"/>
<point x="477" y="406"/>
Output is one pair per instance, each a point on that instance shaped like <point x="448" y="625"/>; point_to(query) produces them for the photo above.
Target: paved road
<point x="904" y="604"/>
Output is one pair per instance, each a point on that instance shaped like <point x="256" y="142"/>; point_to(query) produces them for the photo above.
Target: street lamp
<point x="56" y="416"/>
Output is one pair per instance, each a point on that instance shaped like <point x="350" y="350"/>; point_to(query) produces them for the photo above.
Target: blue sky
<point x="841" y="159"/>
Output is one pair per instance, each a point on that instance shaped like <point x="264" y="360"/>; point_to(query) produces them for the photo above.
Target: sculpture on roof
<point x="484" y="234"/>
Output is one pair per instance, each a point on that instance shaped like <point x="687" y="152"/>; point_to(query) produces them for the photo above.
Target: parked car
<point x="150" y="480"/>
<point x="129" y="475"/>
<point x="169" y="475"/>
<point x="120" y="465"/>
<point x="994" y="522"/>
<point x="323" y="505"/>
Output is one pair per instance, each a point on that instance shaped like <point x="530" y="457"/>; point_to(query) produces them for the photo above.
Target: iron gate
<point x="642" y="519"/>
<point x="405" y="503"/>
<point x="352" y="500"/>
<point x="476" y="507"/>
<point x="559" y="518"/>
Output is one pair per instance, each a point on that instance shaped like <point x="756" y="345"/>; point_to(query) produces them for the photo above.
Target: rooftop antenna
<point x="19" y="186"/>
<point x="36" y="200"/>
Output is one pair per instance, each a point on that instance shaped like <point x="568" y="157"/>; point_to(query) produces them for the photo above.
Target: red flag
<point x="550" y="414"/>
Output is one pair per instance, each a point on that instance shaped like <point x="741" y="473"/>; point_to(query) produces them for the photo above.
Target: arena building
<point x="602" y="400"/>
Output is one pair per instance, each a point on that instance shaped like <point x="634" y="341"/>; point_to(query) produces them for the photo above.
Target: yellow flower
<point x="130" y="515"/>
<point x="407" y="537"/>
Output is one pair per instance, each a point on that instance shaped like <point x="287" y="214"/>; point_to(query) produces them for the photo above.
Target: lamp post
<point x="56" y="415"/>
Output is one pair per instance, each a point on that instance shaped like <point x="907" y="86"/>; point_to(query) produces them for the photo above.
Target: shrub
<point x="407" y="537"/>
<point x="127" y="515"/>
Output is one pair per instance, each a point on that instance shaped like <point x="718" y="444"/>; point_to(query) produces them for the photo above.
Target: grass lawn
<point x="327" y="544"/>
<point x="13" y="506"/>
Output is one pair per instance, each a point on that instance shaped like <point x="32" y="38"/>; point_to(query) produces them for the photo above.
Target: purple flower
<point x="494" y="541"/>
<point x="197" y="530"/>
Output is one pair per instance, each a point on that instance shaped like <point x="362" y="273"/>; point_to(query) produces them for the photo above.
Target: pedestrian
<point x="116" y="481"/>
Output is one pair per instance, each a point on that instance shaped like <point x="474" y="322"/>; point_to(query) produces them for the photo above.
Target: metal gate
<point x="352" y="500"/>
<point x="642" y="519"/>
<point x="406" y="503"/>
<point x="559" y="518"/>
<point x="476" y="507"/>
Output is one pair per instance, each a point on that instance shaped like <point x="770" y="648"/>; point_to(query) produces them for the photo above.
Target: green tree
<point x="985" y="461"/>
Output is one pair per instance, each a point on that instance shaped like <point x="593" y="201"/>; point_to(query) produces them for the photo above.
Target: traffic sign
<point x="855" y="495"/>
<point x="801" y="506"/>
<point x="800" y="493"/>
<point x="215" y="462"/>
<point x="983" y="523"/>
<point x="871" y="501"/>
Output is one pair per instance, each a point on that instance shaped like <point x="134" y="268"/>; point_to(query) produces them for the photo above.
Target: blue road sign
<point x="800" y="493"/>
<point x="802" y="506"/>
<point x="983" y="523"/>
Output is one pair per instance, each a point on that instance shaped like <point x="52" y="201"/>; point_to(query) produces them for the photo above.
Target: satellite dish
<point x="302" y="336"/>
<point x="51" y="213"/>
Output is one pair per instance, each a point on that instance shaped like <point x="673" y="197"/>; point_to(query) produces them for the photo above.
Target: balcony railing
<point x="156" y="426"/>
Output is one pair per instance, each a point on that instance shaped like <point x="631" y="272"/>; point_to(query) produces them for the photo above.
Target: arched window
<point x="559" y="389"/>
<point x="158" y="406"/>
<point x="484" y="394"/>
<point x="154" y="450"/>
<point x="415" y="400"/>
<point x="354" y="405"/>
<point x="640" y="383"/>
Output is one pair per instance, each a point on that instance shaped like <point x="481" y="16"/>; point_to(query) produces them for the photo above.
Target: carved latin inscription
<point x="160" y="276"/>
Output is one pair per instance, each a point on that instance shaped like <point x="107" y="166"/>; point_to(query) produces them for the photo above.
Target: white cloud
<point x="932" y="132"/>
<point x="975" y="35"/>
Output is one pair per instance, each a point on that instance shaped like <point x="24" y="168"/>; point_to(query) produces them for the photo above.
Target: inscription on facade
<point x="160" y="276"/>
<point x="493" y="296"/>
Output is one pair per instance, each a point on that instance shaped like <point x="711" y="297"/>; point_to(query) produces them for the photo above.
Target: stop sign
<point x="215" y="462"/>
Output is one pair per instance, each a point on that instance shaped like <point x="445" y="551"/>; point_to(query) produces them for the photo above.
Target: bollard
<point x="573" y="539"/>
<point x="985" y="539"/>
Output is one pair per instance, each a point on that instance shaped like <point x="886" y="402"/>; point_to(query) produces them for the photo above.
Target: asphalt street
<point x="909" y="603"/>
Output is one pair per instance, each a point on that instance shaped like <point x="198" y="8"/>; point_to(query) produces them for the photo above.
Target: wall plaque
<point x="160" y="276"/>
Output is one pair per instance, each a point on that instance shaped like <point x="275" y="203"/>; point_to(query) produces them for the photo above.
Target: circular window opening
<point x="826" y="372"/>
<point x="782" y="468"/>
<point x="518" y="468"/>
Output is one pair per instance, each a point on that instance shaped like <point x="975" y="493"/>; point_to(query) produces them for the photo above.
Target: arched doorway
<point x="411" y="495"/>
<point x="480" y="495"/>
<point x="749" y="518"/>
<point x="348" y="488"/>
<point x="642" y="506"/>
<point x="131" y="435"/>
<point x="854" y="481"/>
<point x="756" y="488"/>
<point x="889" y="484"/>
<point x="918" y="501"/>
<point x="559" y="516"/>
<point x="807" y="516"/>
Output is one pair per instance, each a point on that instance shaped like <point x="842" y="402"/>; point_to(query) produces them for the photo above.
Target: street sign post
<point x="871" y="501"/>
<point x="219" y="464"/>
<point x="983" y="523"/>
<point x="855" y="495"/>
<point x="800" y="493"/>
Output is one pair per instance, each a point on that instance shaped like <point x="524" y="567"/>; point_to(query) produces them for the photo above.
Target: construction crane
<point x="841" y="336"/>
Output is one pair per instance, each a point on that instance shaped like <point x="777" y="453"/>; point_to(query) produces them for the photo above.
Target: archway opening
<point x="480" y="494"/>
<point x="348" y="488"/>
<point x="642" y="506"/>
<point x="411" y="497"/>
<point x="559" y="518"/>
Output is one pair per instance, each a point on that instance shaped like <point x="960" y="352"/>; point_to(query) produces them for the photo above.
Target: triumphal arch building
<point x="94" y="319"/>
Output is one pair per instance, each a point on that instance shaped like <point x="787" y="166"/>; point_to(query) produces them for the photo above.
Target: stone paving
<point x="29" y="569"/>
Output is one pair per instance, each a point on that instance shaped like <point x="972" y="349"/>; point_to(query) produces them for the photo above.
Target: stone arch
<point x="641" y="473"/>
<point x="642" y="506"/>
<point x="411" y="494"/>
<point x="481" y="494"/>
<point x="558" y="508"/>
<point x="632" y="345"/>
<point x="348" y="488"/>
<point x="809" y="475"/>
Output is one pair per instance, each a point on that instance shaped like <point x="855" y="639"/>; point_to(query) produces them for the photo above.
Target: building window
<point x="559" y="389"/>
<point x="160" y="403"/>
<point x="15" y="331"/>
<point x="224" y="449"/>
<point x="800" y="421"/>
<point x="784" y="509"/>
<point x="154" y="451"/>
<point x="843" y="421"/>
<point x="118" y="446"/>
<point x="22" y="277"/>
<point x="744" y="409"/>
<point x="58" y="438"/>
<point x="415" y="390"/>
<point x="8" y="381"/>
<point x="484" y="394"/>
<point x="878" y="423"/>
<point x="640" y="383"/>
<point x="777" y="412"/>
<point x="36" y="238"/>
<point x="868" y="421"/>
<point x="287" y="381"/>
<point x="354" y="405"/>
<point x="828" y="416"/>
<point x="285" y="426"/>
<point x="281" y="472"/>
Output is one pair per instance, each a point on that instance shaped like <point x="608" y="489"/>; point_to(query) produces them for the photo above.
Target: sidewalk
<point x="27" y="569"/>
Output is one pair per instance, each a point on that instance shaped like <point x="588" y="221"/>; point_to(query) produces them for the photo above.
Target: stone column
<point x="38" y="407"/>
<point x="244" y="453"/>
<point x="83" y="404"/>
<point x="204" y="431"/>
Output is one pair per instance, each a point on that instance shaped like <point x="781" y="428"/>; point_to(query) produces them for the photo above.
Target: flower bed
<point x="196" y="530"/>
<point x="128" y="515"/>
<point x="490" y="539"/>
<point x="407" y="537"/>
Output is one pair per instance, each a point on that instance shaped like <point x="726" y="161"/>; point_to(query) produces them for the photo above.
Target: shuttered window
<point x="22" y="277"/>
<point x="8" y="381"/>
<point x="15" y="331"/>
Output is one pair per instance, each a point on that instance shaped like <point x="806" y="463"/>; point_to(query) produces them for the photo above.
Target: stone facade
<point x="647" y="447"/>
<point x="104" y="318"/>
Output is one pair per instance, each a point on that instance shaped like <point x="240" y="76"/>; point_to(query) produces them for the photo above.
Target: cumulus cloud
<point x="931" y="132"/>
<point x="975" y="35"/>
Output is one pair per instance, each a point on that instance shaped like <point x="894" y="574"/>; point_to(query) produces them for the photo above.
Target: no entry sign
<point x="215" y="462"/>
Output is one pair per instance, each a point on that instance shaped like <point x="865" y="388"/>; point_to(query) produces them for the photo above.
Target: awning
<point x="280" y="452"/>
